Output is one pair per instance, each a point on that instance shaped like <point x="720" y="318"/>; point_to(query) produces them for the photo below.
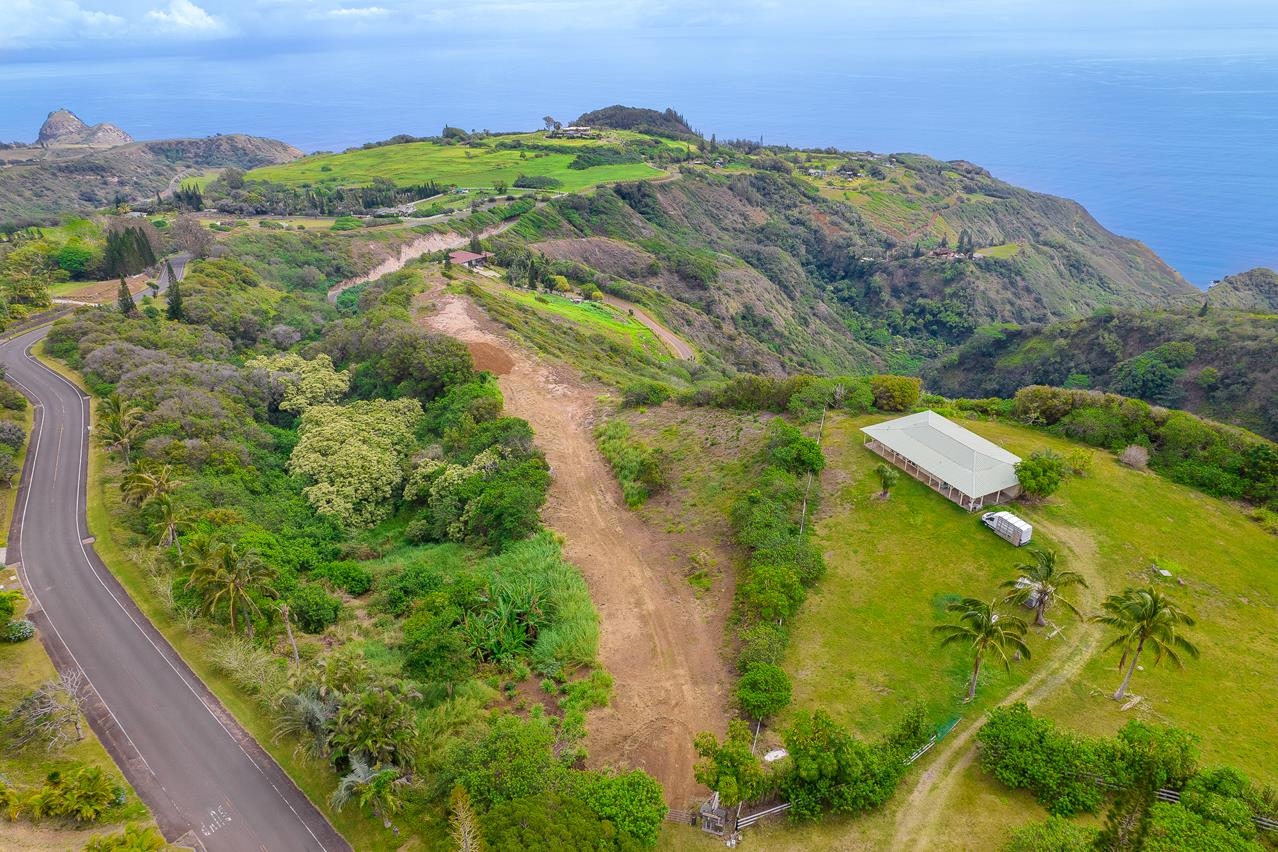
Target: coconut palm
<point x="146" y="481"/>
<point x="119" y="423"/>
<point x="375" y="789"/>
<point x="888" y="477"/>
<point x="1145" y="618"/>
<point x="985" y="629"/>
<point x="234" y="579"/>
<point x="1046" y="579"/>
<point x="169" y="519"/>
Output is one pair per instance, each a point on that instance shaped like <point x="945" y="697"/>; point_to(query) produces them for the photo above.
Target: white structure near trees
<point x="951" y="460"/>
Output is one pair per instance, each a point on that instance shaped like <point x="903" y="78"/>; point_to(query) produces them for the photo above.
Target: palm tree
<point x="169" y="518"/>
<point x="888" y="477"/>
<point x="233" y="578"/>
<point x="1144" y="617"/>
<point x="375" y="789"/>
<point x="985" y="629"/>
<point x="1045" y="579"/>
<point x="146" y="481"/>
<point x="119" y="423"/>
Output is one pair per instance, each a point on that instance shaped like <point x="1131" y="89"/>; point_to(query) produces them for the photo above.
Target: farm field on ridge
<point x="482" y="164"/>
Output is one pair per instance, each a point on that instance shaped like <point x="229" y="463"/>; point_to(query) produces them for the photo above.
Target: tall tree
<point x="888" y="476"/>
<point x="235" y="579"/>
<point x="1046" y="578"/>
<point x="124" y="299"/>
<point x="174" y="309"/>
<point x="169" y="519"/>
<point x="1145" y="618"/>
<point x="985" y="630"/>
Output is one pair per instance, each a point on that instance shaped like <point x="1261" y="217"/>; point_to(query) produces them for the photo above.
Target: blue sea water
<point x="1181" y="153"/>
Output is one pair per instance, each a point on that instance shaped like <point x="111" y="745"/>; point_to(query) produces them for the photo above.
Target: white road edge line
<point x="83" y="501"/>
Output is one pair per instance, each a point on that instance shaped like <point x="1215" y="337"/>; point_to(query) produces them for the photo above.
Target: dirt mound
<point x="661" y="645"/>
<point x="490" y="358"/>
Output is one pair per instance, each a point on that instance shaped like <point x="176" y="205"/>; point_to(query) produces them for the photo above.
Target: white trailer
<point x="1008" y="527"/>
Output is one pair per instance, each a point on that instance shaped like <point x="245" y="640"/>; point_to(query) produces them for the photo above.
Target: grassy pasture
<point x="1005" y="250"/>
<point x="862" y="647"/>
<point x="464" y="166"/>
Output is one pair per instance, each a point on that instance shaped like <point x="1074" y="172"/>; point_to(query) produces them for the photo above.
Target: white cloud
<point x="26" y="23"/>
<point x="184" y="16"/>
<point x="359" y="12"/>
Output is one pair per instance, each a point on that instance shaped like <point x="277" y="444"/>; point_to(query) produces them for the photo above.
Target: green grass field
<point x="862" y="647"/>
<point x="1005" y="250"/>
<point x="463" y="166"/>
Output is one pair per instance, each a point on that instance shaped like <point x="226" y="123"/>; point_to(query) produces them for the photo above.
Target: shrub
<point x="8" y="604"/>
<point x="895" y="393"/>
<point x="134" y="838"/>
<point x="793" y="452"/>
<point x="762" y="643"/>
<point x="12" y="435"/>
<point x="11" y="398"/>
<point x="1135" y="456"/>
<point x="83" y="795"/>
<point x="644" y="392"/>
<point x="537" y="182"/>
<point x="638" y="467"/>
<point x="313" y="608"/>
<point x="632" y="801"/>
<point x="18" y="631"/>
<point x="347" y="223"/>
<point x="1041" y="474"/>
<point x="1080" y="462"/>
<point x="350" y="577"/>
<point x="1030" y="753"/>
<point x="763" y="691"/>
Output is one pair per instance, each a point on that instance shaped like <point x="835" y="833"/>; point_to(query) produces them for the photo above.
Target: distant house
<point x="468" y="259"/>
<point x="949" y="459"/>
<point x="574" y="132"/>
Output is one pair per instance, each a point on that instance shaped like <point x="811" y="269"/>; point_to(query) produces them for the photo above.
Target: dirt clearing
<point x="661" y="645"/>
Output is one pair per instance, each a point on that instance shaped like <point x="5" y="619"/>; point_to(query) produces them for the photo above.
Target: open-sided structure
<point x="951" y="460"/>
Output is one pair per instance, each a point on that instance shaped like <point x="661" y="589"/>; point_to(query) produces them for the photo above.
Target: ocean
<point x="1180" y="153"/>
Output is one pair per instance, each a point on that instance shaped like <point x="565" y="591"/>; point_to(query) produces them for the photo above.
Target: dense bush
<point x="895" y="393"/>
<point x="11" y="398"/>
<point x="641" y="393"/>
<point x="350" y="577"/>
<point x="763" y="691"/>
<point x="1218" y="459"/>
<point x="1056" y="835"/>
<point x="537" y="182"/>
<point x="1030" y="753"/>
<point x="791" y="450"/>
<point x="12" y="435"/>
<point x="18" y="631"/>
<point x="1041" y="474"/>
<point x="313" y="609"/>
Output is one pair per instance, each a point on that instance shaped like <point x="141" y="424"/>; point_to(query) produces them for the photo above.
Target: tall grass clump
<point x="638" y="467"/>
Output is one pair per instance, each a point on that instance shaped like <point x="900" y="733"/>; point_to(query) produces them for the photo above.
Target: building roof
<point x="466" y="256"/>
<point x="949" y="452"/>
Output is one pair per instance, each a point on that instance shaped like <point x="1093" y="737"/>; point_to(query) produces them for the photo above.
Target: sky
<point x="39" y="29"/>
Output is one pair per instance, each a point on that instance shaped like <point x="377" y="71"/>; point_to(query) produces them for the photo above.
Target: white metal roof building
<point x="953" y="461"/>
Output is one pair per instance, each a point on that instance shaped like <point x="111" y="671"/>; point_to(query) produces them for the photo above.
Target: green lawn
<point x="595" y="315"/>
<point x="463" y="166"/>
<point x="862" y="647"/>
<point x="1005" y="250"/>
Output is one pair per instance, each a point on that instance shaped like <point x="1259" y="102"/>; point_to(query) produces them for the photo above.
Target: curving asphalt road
<point x="205" y="779"/>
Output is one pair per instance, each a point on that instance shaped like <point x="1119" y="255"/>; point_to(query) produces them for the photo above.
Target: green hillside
<point x="483" y="162"/>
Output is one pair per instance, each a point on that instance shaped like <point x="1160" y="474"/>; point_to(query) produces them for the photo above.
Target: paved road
<point x="179" y="262"/>
<point x="200" y="773"/>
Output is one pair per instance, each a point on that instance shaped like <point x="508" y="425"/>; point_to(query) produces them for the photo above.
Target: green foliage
<point x="638" y="467"/>
<point x="350" y="577"/>
<point x="895" y="393"/>
<point x="1145" y="619"/>
<point x="347" y="223"/>
<point x="1057" y="834"/>
<point x="887" y="476"/>
<point x="763" y="691"/>
<point x="83" y="795"/>
<point x="1177" y="829"/>
<point x="8" y="603"/>
<point x="731" y="768"/>
<point x="1030" y="753"/>
<point x="643" y="393"/>
<point x="354" y="456"/>
<point x="549" y="820"/>
<point x="134" y="838"/>
<point x="17" y="631"/>
<point x="376" y="724"/>
<point x="304" y="382"/>
<point x="512" y="760"/>
<point x="791" y="450"/>
<point x="632" y="801"/>
<point x="1041" y="474"/>
<point x="313" y="609"/>
<point x="831" y="771"/>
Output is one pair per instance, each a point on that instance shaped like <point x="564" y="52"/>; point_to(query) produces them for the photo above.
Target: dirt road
<point x="917" y="822"/>
<point x="410" y="252"/>
<point x="677" y="345"/>
<point x="661" y="645"/>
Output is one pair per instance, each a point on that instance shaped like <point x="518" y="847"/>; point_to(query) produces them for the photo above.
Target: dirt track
<point x="917" y="821"/>
<point x="661" y="645"/>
